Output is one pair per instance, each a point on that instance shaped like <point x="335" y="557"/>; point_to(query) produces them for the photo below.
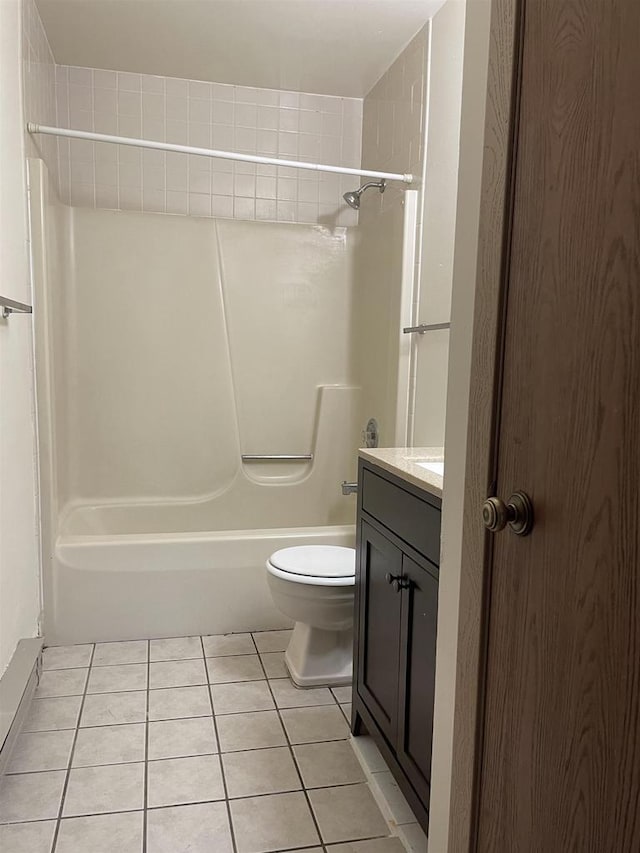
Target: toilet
<point x="314" y="586"/>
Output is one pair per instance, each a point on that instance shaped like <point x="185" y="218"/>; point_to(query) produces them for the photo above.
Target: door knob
<point x="517" y="513"/>
<point x="397" y="581"/>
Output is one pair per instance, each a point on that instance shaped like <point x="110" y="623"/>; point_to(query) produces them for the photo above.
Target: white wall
<point x="19" y="568"/>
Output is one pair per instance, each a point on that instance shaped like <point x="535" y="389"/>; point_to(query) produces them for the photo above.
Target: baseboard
<point x="17" y="686"/>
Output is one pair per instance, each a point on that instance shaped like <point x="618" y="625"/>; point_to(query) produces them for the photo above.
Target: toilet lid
<point x="316" y="561"/>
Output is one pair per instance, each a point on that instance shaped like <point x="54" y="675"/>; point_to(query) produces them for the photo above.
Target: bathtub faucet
<point x="349" y="488"/>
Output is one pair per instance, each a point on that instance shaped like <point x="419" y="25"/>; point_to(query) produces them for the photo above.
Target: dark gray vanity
<point x="396" y="604"/>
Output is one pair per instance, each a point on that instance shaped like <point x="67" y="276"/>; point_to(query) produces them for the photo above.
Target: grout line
<point x="220" y="764"/>
<point x="145" y="791"/>
<point x="213" y="716"/>
<point x="71" y="753"/>
<point x="197" y="755"/>
<point x="293" y="757"/>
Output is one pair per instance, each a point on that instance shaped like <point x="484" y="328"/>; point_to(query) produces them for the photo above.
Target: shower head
<point x="353" y="198"/>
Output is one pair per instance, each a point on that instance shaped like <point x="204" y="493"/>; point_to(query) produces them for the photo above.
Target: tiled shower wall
<point x="394" y="138"/>
<point x="38" y="86"/>
<point x="288" y="125"/>
<point x="393" y="123"/>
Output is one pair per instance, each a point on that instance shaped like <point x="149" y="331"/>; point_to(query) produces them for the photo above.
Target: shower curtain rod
<point x="210" y="152"/>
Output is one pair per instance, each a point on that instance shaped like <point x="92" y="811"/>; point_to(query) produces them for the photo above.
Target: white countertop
<point x="403" y="462"/>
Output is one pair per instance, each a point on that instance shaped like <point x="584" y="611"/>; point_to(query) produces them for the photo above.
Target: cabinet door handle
<point x="397" y="581"/>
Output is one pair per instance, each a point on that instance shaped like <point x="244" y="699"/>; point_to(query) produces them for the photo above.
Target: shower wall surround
<point x="289" y="125"/>
<point x="38" y="86"/>
<point x="393" y="138"/>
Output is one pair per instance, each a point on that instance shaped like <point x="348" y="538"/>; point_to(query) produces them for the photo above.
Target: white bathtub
<point x="117" y="587"/>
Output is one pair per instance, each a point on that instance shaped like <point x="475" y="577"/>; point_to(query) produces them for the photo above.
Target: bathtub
<point x="132" y="586"/>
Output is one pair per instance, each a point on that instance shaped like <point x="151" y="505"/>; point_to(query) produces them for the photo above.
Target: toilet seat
<point x="319" y="565"/>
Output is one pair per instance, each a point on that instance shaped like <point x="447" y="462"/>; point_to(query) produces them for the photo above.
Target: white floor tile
<point x="342" y="694"/>
<point x="250" y="731"/>
<point x="61" y="682"/>
<point x="187" y="767"/>
<point x="200" y="828"/>
<point x="109" y="745"/>
<point x="106" y="709"/>
<point x="236" y="698"/>
<point x="101" y="834"/>
<point x="179" y="648"/>
<point x="114" y="788"/>
<point x="181" y="673"/>
<point x="27" y="837"/>
<point x="47" y="715"/>
<point x="177" y="702"/>
<point x="311" y="725"/>
<point x="111" y="654"/>
<point x="232" y="668"/>
<point x="347" y="813"/>
<point x="328" y="764"/>
<point x="66" y="657"/>
<point x="228" y="644"/>
<point x="272" y="641"/>
<point x="41" y="751"/>
<point x="260" y="826"/>
<point x="260" y="771"/>
<point x="175" y="781"/>
<point x="274" y="665"/>
<point x="32" y="796"/>
<point x="181" y="738"/>
<point x="287" y="695"/>
<point x="121" y="677"/>
<point x="376" y="845"/>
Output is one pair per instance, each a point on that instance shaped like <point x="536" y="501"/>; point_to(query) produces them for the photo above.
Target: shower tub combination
<point x="171" y="351"/>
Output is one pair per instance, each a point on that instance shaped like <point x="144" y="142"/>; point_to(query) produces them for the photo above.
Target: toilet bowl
<point x="314" y="586"/>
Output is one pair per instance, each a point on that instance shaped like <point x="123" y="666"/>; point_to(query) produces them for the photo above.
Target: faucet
<point x="349" y="488"/>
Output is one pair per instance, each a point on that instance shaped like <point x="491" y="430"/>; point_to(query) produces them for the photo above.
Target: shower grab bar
<point x="277" y="457"/>
<point x="406" y="178"/>
<point x="10" y="306"/>
<point x="422" y="328"/>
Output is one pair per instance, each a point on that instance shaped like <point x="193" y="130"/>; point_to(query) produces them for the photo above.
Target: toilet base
<point x="318" y="658"/>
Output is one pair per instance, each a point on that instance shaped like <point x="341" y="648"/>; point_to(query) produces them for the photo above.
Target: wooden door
<point x="379" y="640"/>
<point x="560" y="765"/>
<point x="417" y="673"/>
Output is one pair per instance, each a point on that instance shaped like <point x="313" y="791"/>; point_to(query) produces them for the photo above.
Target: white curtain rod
<point x="210" y="152"/>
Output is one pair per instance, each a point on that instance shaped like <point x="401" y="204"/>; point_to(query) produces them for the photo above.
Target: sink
<point x="434" y="467"/>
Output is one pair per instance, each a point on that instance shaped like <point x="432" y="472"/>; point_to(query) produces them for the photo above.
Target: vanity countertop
<point x="404" y="463"/>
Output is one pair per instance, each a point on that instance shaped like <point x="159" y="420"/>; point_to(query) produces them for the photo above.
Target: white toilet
<point x="314" y="585"/>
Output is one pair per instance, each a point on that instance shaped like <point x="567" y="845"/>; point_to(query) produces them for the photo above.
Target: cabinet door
<point x="417" y="675"/>
<point x="379" y="629"/>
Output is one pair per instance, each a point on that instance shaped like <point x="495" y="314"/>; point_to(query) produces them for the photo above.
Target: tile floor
<point x="198" y="744"/>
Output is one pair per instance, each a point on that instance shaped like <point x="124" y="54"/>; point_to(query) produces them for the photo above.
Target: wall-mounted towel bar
<point x="422" y="328"/>
<point x="10" y="306"/>
<point x="277" y="457"/>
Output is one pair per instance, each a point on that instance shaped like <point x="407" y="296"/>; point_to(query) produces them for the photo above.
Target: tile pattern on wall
<point x="393" y="122"/>
<point x="394" y="130"/>
<point x="271" y="123"/>
<point x="197" y="751"/>
<point x="38" y="86"/>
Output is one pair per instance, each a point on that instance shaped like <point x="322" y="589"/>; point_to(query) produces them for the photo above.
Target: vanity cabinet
<point x="398" y="546"/>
